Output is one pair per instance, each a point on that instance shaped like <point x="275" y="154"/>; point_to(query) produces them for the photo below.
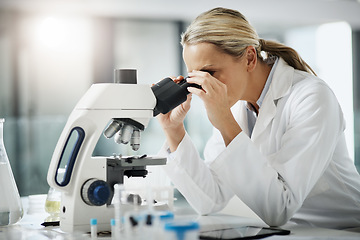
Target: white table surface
<point x="30" y="228"/>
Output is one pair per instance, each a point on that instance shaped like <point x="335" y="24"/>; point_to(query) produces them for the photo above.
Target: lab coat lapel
<point x="243" y="121"/>
<point x="266" y="114"/>
<point x="280" y="87"/>
<point x="240" y="114"/>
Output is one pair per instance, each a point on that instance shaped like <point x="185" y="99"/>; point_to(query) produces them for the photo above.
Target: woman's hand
<point x="215" y="98"/>
<point x="173" y="122"/>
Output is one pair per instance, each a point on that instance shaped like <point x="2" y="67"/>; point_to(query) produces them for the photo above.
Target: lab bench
<point x="30" y="228"/>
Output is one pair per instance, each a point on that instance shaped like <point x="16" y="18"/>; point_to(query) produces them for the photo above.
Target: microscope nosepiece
<point x="125" y="130"/>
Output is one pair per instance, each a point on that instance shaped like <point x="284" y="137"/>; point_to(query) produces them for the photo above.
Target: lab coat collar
<point x="280" y="87"/>
<point x="282" y="80"/>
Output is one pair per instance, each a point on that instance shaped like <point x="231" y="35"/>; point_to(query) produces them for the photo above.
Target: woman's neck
<point x="258" y="80"/>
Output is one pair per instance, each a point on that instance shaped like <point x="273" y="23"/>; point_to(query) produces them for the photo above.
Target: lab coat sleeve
<point x="201" y="187"/>
<point x="275" y="185"/>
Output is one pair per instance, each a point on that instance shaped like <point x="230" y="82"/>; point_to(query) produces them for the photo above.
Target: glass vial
<point x="53" y="201"/>
<point x="11" y="210"/>
<point x="52" y="205"/>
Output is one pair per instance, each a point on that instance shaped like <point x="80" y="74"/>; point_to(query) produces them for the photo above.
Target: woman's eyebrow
<point x="206" y="67"/>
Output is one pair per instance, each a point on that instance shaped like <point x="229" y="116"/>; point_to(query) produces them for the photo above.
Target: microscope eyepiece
<point x="170" y="94"/>
<point x="185" y="84"/>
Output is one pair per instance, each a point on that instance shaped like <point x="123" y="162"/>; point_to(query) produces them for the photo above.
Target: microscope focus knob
<point x="95" y="192"/>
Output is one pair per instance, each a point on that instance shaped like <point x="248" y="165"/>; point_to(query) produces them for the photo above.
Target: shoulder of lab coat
<point x="292" y="144"/>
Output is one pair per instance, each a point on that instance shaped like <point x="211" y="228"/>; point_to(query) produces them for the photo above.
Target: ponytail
<point x="291" y="57"/>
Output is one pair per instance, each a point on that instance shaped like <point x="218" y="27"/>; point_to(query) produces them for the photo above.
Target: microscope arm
<point x="86" y="123"/>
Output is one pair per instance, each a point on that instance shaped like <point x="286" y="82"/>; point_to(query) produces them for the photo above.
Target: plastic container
<point x="11" y="210"/>
<point x="182" y="230"/>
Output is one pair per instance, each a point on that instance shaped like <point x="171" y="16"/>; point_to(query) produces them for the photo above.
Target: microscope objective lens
<point x="117" y="137"/>
<point x="126" y="133"/>
<point x="135" y="140"/>
<point x="112" y="129"/>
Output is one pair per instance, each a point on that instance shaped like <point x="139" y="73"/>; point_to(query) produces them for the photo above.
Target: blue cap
<point x="93" y="221"/>
<point x="181" y="226"/>
<point x="112" y="222"/>
<point x="166" y="215"/>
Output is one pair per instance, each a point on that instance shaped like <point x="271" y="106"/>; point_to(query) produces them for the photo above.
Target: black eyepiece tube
<point x="170" y="94"/>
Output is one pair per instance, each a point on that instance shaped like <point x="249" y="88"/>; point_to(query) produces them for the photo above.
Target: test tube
<point x="150" y="199"/>
<point x="117" y="202"/>
<point x="113" y="229"/>
<point x="93" y="226"/>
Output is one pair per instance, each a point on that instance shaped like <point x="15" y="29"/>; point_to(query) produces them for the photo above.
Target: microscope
<point x="124" y="109"/>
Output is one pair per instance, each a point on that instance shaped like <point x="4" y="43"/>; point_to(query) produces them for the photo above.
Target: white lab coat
<point x="295" y="165"/>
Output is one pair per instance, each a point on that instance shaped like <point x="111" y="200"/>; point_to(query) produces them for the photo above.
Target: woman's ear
<point x="251" y="58"/>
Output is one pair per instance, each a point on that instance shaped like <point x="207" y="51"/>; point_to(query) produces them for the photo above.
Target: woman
<point x="278" y="141"/>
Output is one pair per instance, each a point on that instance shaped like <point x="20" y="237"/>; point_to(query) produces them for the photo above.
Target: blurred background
<point x="51" y="51"/>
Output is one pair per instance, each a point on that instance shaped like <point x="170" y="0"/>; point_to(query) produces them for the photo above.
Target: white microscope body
<point x="85" y="185"/>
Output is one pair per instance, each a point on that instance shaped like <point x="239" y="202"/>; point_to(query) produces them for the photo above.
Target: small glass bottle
<point x="52" y="205"/>
<point x="53" y="201"/>
<point x="11" y="210"/>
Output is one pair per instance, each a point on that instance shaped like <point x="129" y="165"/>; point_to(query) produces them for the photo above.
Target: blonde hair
<point x="231" y="33"/>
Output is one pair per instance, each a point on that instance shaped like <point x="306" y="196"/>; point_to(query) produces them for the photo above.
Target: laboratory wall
<point x="40" y="83"/>
<point x="48" y="62"/>
<point x="317" y="45"/>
